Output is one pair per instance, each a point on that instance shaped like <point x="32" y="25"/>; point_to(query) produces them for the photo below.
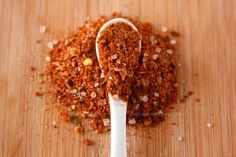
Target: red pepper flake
<point x="38" y="40"/>
<point x="32" y="68"/>
<point x="148" y="121"/>
<point x="197" y="100"/>
<point x="65" y="118"/>
<point x="190" y="93"/>
<point x="174" y="33"/>
<point x="88" y="142"/>
<point x="79" y="129"/>
<point x="38" y="93"/>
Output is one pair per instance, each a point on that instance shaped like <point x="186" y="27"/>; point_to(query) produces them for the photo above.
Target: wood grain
<point x="207" y="46"/>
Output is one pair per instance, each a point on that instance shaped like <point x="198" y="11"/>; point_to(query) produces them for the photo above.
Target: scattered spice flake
<point x="197" y="100"/>
<point x="196" y="74"/>
<point x="174" y="33"/>
<point x="79" y="129"/>
<point x="65" y="118"/>
<point x="88" y="142"/>
<point x="38" y="93"/>
<point x="190" y="93"/>
<point x="32" y="68"/>
<point x="148" y="121"/>
<point x="38" y="40"/>
<point x="179" y="65"/>
<point x="45" y="109"/>
<point x="42" y="29"/>
<point x="180" y="138"/>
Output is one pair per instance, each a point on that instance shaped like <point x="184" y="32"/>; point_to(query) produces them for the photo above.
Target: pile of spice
<point x="75" y="77"/>
<point x="119" y="53"/>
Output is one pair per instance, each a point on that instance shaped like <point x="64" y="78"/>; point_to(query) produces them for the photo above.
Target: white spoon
<point x="118" y="107"/>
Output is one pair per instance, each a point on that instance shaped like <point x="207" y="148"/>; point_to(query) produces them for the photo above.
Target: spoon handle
<point x="118" y="127"/>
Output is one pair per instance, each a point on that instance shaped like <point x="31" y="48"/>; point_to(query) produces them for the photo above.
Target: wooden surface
<point x="207" y="47"/>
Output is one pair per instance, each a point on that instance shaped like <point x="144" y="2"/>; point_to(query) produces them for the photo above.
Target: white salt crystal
<point x="106" y="121"/>
<point x="132" y="121"/>
<point x="169" y="51"/>
<point x="48" y="59"/>
<point x="144" y="98"/>
<point x="93" y="95"/>
<point x="42" y="29"/>
<point x="155" y="56"/>
<point x="164" y="29"/>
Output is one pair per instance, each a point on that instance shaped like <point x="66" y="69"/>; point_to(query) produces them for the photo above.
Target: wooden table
<point x="207" y="47"/>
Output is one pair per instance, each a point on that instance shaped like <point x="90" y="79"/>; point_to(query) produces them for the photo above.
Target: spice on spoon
<point x="74" y="75"/>
<point x="119" y="52"/>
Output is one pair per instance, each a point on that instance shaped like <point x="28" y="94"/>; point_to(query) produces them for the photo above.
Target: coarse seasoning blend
<point x="119" y="51"/>
<point x="81" y="91"/>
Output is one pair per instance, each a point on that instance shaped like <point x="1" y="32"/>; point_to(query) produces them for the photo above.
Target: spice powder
<point x="119" y="53"/>
<point x="75" y="76"/>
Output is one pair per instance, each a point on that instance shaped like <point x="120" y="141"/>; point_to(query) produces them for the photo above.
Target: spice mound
<point x="80" y="91"/>
<point x="119" y="52"/>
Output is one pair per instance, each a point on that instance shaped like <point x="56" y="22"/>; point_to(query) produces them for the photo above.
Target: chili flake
<point x="38" y="93"/>
<point x="65" y="118"/>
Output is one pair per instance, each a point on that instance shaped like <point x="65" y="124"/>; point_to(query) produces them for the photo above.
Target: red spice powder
<point x="75" y="76"/>
<point x="119" y="52"/>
